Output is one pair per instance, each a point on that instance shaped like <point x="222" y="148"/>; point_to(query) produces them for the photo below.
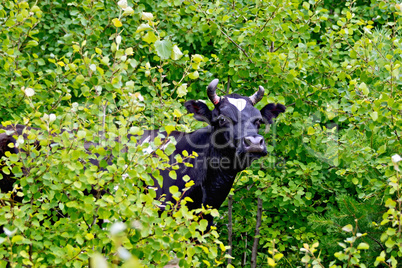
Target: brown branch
<point x="228" y="86"/>
<point x="230" y="227"/>
<point x="245" y="250"/>
<point x="257" y="234"/>
<point x="269" y="19"/>
<point x="238" y="46"/>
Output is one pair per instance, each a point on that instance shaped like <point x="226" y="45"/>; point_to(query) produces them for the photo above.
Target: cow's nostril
<point x="248" y="141"/>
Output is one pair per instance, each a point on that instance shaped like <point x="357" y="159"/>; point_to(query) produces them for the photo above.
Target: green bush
<point x="326" y="195"/>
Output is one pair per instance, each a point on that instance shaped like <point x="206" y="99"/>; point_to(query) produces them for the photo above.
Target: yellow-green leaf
<point x="197" y="58"/>
<point x="169" y="128"/>
<point x="363" y="246"/>
<point x="117" y="23"/>
<point x="182" y="90"/>
<point x="147" y="16"/>
<point x="89" y="236"/>
<point x="143" y="27"/>
<point x="177" y="113"/>
<point x="374" y="116"/>
<point x="348" y="228"/>
<point x="150" y="37"/>
<point x="363" y="87"/>
<point x="194" y="75"/>
<point x="176" y="53"/>
<point x="271" y="262"/>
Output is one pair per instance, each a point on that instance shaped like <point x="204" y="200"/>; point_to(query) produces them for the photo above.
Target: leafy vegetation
<point x="328" y="194"/>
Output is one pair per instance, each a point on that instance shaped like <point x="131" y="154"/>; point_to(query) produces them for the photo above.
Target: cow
<point x="7" y="138"/>
<point x="225" y="147"/>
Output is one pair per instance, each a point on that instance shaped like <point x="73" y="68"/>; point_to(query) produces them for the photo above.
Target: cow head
<point x="235" y="121"/>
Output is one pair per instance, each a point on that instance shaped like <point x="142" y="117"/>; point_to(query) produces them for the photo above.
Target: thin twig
<point x="230" y="227"/>
<point x="228" y="86"/>
<point x="257" y="234"/>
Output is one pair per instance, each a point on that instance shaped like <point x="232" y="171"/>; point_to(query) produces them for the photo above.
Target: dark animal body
<point x="227" y="146"/>
<point x="7" y="181"/>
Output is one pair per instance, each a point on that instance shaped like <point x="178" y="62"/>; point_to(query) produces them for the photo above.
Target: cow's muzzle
<point x="254" y="144"/>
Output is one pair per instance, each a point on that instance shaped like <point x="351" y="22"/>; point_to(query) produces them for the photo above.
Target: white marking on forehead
<point x="240" y="104"/>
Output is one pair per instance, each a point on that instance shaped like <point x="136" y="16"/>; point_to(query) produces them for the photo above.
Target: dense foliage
<point x="327" y="195"/>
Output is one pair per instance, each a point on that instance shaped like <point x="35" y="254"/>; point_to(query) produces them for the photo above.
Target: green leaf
<point x="382" y="149"/>
<point x="348" y="228"/>
<point x="177" y="113"/>
<point x="79" y="79"/>
<point x="272" y="263"/>
<point x="117" y="23"/>
<point x="215" y="213"/>
<point x="17" y="238"/>
<point x="81" y="134"/>
<point x="391" y="231"/>
<point x="203" y="225"/>
<point x="170" y="148"/>
<point x="173" y="189"/>
<point x="150" y="37"/>
<point x="310" y="131"/>
<point x="306" y="5"/>
<point x="374" y="116"/>
<point x="98" y="261"/>
<point x="380" y="259"/>
<point x="163" y="49"/>
<point x="13" y="158"/>
<point x="6" y="170"/>
<point x="32" y="43"/>
<point x="363" y="246"/>
<point x="390" y="203"/>
<point x="147" y="16"/>
<point x="135" y="130"/>
<point x="169" y="128"/>
<point x="182" y="90"/>
<point x="176" y="53"/>
<point x="194" y="75"/>
<point x="306" y="258"/>
<point x="363" y="87"/>
<point x="197" y="58"/>
<point x="143" y="27"/>
<point x="389" y="243"/>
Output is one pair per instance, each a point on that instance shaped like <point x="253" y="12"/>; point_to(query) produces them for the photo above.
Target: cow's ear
<point x="200" y="110"/>
<point x="271" y="111"/>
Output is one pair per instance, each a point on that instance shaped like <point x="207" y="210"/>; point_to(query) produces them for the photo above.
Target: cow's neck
<point x="217" y="186"/>
<point x="219" y="179"/>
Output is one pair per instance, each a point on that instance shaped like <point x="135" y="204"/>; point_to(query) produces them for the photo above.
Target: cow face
<point x="235" y="121"/>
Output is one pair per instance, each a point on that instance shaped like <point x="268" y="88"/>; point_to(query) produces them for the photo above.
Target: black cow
<point x="224" y="148"/>
<point x="7" y="180"/>
<point x="227" y="146"/>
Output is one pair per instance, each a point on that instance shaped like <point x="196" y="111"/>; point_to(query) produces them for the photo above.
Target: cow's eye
<point x="222" y="121"/>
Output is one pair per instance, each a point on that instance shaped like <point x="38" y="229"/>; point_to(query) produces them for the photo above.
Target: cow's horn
<point x="256" y="97"/>
<point x="211" y="91"/>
